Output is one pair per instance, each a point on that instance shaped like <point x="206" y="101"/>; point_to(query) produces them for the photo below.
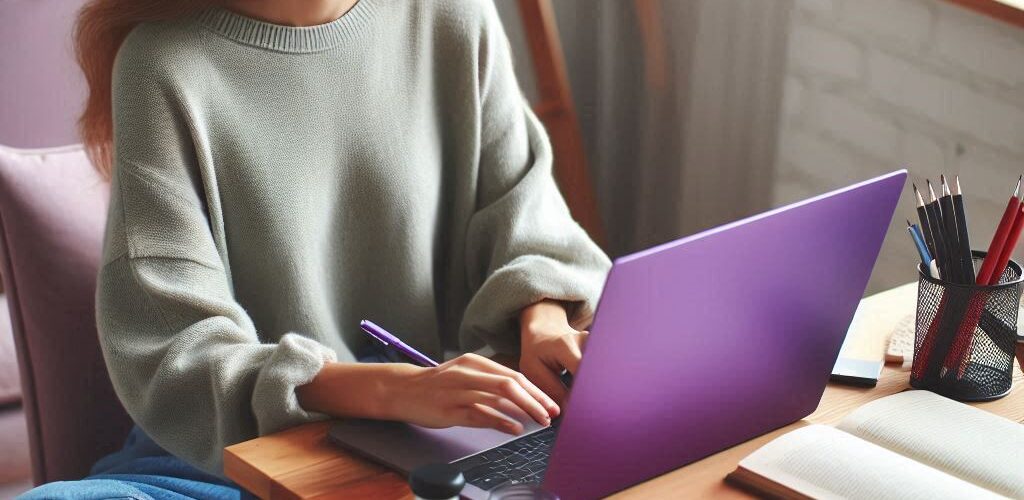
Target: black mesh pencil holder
<point x="965" y="335"/>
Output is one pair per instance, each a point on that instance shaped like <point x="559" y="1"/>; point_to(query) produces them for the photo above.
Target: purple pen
<point x="386" y="338"/>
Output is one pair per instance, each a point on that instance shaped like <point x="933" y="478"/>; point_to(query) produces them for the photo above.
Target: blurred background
<point x="691" y="113"/>
<point x="697" y="112"/>
<point x="709" y="110"/>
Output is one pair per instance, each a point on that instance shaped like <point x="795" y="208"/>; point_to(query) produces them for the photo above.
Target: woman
<point x="281" y="170"/>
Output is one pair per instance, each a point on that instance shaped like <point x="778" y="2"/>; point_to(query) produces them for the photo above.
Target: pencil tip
<point x="1016" y="190"/>
<point x="908" y="223"/>
<point x="917" y="194"/>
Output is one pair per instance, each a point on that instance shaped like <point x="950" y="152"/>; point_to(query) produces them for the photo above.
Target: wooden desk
<point x="301" y="463"/>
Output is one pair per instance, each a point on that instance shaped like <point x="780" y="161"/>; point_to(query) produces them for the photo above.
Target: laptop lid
<point x="705" y="342"/>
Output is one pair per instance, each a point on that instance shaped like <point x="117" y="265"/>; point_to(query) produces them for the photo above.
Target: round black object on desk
<point x="436" y="482"/>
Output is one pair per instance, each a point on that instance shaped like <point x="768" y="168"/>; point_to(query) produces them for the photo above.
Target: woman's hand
<point x="548" y="346"/>
<point x="470" y="391"/>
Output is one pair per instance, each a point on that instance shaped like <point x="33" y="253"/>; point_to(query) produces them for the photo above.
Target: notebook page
<point x="821" y="462"/>
<point x="973" y="444"/>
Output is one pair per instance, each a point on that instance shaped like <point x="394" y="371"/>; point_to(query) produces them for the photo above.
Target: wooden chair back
<point x="556" y="111"/>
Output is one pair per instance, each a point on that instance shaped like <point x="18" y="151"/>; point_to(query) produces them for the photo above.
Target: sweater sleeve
<point x="184" y="357"/>
<point x="523" y="245"/>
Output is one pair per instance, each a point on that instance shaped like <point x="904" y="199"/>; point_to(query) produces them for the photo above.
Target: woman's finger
<point x="509" y="388"/>
<point x="503" y="405"/>
<point x="547" y="381"/>
<point x="570" y="353"/>
<point x="483" y="416"/>
<point x="490" y="366"/>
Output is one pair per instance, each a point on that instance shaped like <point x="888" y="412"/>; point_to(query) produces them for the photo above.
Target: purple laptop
<point x="698" y="345"/>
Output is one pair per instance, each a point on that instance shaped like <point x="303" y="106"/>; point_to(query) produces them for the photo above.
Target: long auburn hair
<point x="100" y="29"/>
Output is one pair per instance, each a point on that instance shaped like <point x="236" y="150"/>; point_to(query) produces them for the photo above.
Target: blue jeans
<point x="141" y="470"/>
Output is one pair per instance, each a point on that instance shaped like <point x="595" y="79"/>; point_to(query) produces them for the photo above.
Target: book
<point x="914" y="444"/>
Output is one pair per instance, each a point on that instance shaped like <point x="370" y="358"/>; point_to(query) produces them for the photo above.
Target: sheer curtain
<point x="678" y="102"/>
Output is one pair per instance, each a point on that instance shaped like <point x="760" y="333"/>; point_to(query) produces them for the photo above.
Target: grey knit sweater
<point x="274" y="185"/>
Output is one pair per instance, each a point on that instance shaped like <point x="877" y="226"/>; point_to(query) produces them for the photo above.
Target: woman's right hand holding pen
<point x="470" y="391"/>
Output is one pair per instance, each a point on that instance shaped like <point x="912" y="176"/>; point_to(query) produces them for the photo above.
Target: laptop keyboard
<point x="524" y="460"/>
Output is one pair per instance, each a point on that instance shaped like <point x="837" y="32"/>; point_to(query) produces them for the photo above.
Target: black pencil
<point x="922" y="215"/>
<point x="949" y="233"/>
<point x="935" y="222"/>
<point x="963" y="236"/>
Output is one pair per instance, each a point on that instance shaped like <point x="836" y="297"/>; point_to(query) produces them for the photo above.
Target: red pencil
<point x="956" y="356"/>
<point x="1007" y="251"/>
<point x="995" y="248"/>
<point x="1003" y="244"/>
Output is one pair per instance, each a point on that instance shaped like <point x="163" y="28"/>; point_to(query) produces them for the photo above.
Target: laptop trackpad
<point x="405" y="446"/>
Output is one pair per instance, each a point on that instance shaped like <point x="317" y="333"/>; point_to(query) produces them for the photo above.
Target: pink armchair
<point x="51" y="219"/>
<point x="52" y="215"/>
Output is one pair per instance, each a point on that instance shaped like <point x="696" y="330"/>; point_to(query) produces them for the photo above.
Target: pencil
<point x="1007" y="251"/>
<point x="942" y="331"/>
<point x="962" y="234"/>
<point x="935" y="221"/>
<point x="988" y="265"/>
<point x="922" y="250"/>
<point x="950" y="234"/>
<point x="922" y="215"/>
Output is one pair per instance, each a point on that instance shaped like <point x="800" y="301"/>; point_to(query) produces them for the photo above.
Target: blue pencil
<point x="922" y="248"/>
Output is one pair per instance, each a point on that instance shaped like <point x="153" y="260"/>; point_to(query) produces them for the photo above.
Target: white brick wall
<point x="876" y="85"/>
<point x="948" y="102"/>
<point x="896" y="21"/>
<point x="819" y="51"/>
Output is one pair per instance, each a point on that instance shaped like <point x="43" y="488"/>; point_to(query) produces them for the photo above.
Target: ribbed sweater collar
<point x="297" y="39"/>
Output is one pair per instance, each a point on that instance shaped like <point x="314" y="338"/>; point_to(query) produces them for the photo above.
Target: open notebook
<point x="909" y="445"/>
